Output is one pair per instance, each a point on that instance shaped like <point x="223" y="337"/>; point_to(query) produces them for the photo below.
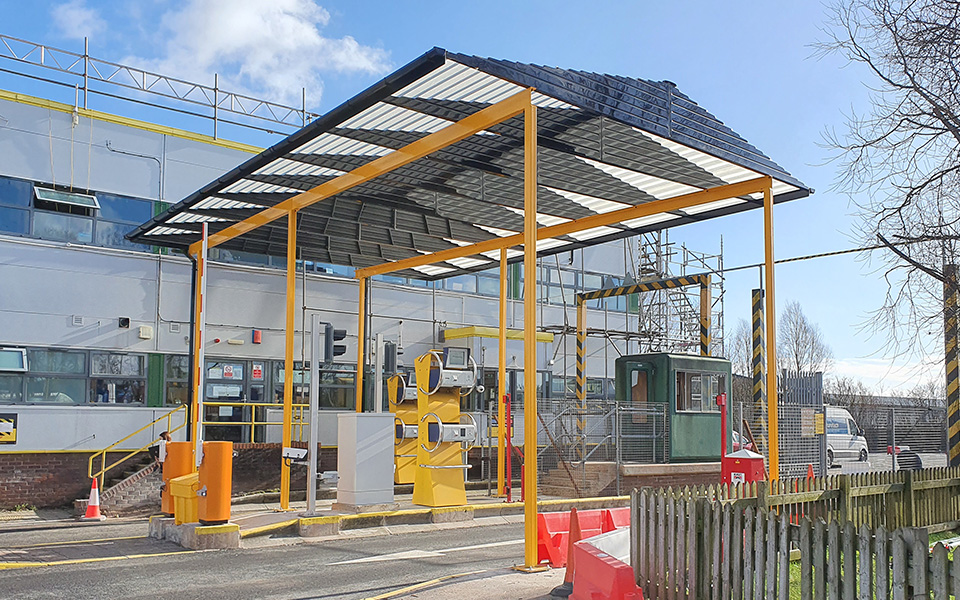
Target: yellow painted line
<point x="73" y="542"/>
<point x="267" y="528"/>
<point x="214" y="529"/>
<point x="128" y="122"/>
<point x="80" y="561"/>
<point x="420" y="586"/>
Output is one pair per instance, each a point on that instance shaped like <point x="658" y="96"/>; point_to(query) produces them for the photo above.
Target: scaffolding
<point x="668" y="320"/>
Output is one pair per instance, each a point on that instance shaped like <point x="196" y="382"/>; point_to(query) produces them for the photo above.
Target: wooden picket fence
<point x="720" y="542"/>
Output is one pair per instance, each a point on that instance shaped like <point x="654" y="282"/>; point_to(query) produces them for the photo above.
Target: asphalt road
<point x="343" y="568"/>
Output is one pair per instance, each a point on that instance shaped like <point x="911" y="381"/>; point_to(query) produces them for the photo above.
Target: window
<point x="697" y="392"/>
<point x="13" y="359"/>
<point x="62" y="228"/>
<point x="176" y="369"/>
<point x="55" y="376"/>
<point x="68" y="202"/>
<point x="118" y="378"/>
<point x="11" y="388"/>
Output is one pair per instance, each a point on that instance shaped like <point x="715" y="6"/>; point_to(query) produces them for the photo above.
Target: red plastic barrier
<point x="600" y="576"/>
<point x="554" y="528"/>
<point x="615" y="518"/>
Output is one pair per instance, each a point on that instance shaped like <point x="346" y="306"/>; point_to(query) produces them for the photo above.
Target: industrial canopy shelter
<point x="456" y="163"/>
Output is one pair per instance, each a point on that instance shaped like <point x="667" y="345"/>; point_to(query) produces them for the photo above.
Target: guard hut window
<point x="117" y="378"/>
<point x="13" y="363"/>
<point x="697" y="392"/>
<point x="176" y="370"/>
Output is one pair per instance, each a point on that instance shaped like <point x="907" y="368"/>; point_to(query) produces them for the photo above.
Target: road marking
<point x="395" y="556"/>
<point x="73" y="542"/>
<point x="80" y="561"/>
<point x="409" y="554"/>
<point x="420" y="586"/>
<point x="480" y="546"/>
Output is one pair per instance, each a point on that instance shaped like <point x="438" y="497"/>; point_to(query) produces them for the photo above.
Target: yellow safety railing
<point x="298" y="415"/>
<point x="103" y="453"/>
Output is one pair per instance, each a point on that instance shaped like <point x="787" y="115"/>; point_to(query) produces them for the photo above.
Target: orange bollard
<point x="216" y="483"/>
<point x="575" y="535"/>
<point x="179" y="462"/>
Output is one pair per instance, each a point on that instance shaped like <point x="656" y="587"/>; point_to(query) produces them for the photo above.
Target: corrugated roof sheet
<point x="605" y="142"/>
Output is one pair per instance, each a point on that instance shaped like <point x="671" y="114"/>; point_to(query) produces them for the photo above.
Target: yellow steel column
<point x="361" y="363"/>
<point x="773" y="441"/>
<point x="289" y="331"/>
<point x="530" y="334"/>
<point x="502" y="377"/>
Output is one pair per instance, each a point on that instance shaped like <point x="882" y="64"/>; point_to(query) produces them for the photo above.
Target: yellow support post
<point x="773" y="441"/>
<point x="289" y="331"/>
<point x="361" y="363"/>
<point x="502" y="431"/>
<point x="530" y="335"/>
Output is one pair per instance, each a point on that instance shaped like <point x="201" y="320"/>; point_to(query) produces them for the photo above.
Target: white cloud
<point x="267" y="49"/>
<point x="75" y="20"/>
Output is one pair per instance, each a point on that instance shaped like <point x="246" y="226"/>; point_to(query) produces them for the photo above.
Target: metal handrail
<point x="298" y="416"/>
<point x="103" y="453"/>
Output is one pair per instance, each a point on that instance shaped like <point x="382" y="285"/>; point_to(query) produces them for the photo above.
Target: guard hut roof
<point x="605" y="142"/>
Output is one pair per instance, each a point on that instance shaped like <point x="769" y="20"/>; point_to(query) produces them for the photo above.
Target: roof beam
<point x="483" y="119"/>
<point x="722" y="192"/>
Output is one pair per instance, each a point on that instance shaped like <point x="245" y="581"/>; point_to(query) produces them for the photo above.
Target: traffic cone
<point x="575" y="535"/>
<point x="809" y="471"/>
<point x="93" y="505"/>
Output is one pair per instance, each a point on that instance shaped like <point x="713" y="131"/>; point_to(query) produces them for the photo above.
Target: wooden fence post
<point x="805" y="578"/>
<point x="909" y="501"/>
<point x="846" y="501"/>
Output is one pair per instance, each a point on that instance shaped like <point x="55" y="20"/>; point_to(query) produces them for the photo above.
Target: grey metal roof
<point x="605" y="142"/>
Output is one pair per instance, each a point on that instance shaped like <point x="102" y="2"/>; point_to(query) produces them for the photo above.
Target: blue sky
<point x="750" y="63"/>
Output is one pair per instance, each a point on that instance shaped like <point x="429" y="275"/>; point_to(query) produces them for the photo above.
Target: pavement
<point x="449" y="560"/>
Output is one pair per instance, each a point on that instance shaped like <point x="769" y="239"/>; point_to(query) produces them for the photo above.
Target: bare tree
<point x="741" y="349"/>
<point x="800" y="344"/>
<point x="900" y="159"/>
<point x="851" y="393"/>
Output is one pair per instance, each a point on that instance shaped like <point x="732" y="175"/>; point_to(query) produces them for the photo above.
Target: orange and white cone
<point x="93" y="505"/>
<point x="575" y="535"/>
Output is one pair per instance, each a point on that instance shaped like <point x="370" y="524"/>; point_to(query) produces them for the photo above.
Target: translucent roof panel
<point x="605" y="143"/>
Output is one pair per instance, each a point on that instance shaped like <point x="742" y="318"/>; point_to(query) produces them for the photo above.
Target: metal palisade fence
<point x="721" y="542"/>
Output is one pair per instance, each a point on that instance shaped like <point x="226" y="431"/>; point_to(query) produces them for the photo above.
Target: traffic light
<point x="330" y="348"/>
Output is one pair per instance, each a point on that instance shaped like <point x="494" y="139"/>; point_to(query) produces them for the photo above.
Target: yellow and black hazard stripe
<point x="759" y="369"/>
<point x="705" y="301"/>
<point x="950" y="362"/>
<point x="581" y="372"/>
<point x="8" y="428"/>
<point x="647" y="286"/>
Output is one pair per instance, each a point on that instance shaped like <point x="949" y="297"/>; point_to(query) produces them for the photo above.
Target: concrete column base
<point x="194" y="535"/>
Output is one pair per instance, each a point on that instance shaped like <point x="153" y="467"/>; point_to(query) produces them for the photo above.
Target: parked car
<point x="741" y="442"/>
<point x="844" y="437"/>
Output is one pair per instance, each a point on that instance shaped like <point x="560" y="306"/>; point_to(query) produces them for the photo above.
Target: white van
<point x="844" y="437"/>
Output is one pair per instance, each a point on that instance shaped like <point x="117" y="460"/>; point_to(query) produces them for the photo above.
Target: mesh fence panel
<point x="800" y="400"/>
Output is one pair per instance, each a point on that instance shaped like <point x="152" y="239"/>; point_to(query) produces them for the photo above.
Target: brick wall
<point x="44" y="479"/>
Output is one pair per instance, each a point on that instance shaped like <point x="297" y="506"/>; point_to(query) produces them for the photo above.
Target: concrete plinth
<point x="194" y="535"/>
<point x="364" y="508"/>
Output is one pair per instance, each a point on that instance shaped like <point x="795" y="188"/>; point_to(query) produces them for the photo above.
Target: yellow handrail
<point x="103" y="453"/>
<point x="299" y="409"/>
